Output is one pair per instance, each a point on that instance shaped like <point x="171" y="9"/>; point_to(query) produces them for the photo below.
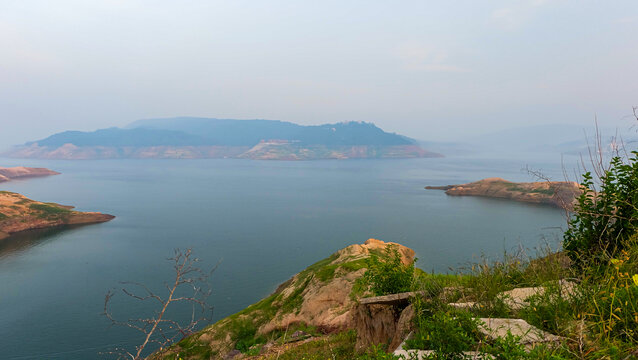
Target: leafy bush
<point x="386" y="273"/>
<point x="604" y="219"/>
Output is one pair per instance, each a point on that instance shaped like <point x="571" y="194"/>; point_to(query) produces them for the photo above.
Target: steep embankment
<point x="555" y="193"/>
<point x="21" y="172"/>
<point x="321" y="296"/>
<point x="18" y="213"/>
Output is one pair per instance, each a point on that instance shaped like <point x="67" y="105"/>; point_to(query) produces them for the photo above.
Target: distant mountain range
<point x="190" y="137"/>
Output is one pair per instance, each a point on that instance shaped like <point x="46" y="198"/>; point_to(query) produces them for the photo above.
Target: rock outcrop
<point x="382" y="322"/>
<point x="561" y="194"/>
<point x="18" y="172"/>
<point x="18" y="213"/>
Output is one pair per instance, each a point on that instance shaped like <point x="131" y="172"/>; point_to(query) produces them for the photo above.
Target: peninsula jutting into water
<point x="556" y="193"/>
<point x="18" y="213"/>
<point x="21" y="172"/>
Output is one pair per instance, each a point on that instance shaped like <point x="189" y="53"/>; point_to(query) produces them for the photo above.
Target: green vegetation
<point x="443" y="329"/>
<point x="3" y="216"/>
<point x="328" y="272"/>
<point x="386" y="273"/>
<point x="607" y="218"/>
<point x="47" y="211"/>
<point x="516" y="187"/>
<point x="192" y="347"/>
<point x="337" y="346"/>
<point x="244" y="335"/>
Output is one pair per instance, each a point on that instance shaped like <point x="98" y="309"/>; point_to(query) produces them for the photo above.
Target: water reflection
<point x="25" y="240"/>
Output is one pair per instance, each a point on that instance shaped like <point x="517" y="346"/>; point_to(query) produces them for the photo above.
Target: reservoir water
<point x="263" y="220"/>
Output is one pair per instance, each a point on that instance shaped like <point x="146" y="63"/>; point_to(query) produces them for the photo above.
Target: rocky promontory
<point x="323" y="296"/>
<point x="18" y="213"/>
<point x="21" y="172"/>
<point x="556" y="193"/>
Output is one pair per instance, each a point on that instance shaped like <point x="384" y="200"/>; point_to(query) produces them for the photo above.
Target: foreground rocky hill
<point x="18" y="213"/>
<point x="322" y="297"/>
<point x="556" y="193"/>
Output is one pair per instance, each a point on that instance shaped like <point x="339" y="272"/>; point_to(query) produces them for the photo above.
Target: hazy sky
<point x="434" y="70"/>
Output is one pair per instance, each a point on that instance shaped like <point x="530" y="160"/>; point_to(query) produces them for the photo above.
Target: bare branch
<point x="158" y="330"/>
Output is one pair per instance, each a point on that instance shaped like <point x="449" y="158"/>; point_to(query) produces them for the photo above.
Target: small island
<point x="21" y="172"/>
<point x="18" y="213"/>
<point x="555" y="193"/>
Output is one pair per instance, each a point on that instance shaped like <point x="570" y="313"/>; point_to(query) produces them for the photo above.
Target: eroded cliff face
<point x="17" y="172"/>
<point x="18" y="213"/>
<point x="320" y="296"/>
<point x="556" y="193"/>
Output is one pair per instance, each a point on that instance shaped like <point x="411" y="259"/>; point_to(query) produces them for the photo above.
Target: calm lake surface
<point x="264" y="220"/>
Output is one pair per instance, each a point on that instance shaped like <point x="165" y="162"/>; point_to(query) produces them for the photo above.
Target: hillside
<point x="18" y="213"/>
<point x="225" y="138"/>
<point x="556" y="193"/>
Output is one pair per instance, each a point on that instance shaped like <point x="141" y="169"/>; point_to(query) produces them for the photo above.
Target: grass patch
<point x="443" y="329"/>
<point x="516" y="187"/>
<point x="338" y="347"/>
<point x="327" y="272"/>
<point x="192" y="347"/>
<point x="46" y="211"/>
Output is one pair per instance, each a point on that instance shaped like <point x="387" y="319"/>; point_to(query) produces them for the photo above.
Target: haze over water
<point x="263" y="220"/>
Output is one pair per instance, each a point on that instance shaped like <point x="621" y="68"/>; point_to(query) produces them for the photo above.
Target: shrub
<point x="604" y="219"/>
<point x="386" y="273"/>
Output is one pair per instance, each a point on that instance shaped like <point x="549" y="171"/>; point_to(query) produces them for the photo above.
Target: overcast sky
<point x="430" y="70"/>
